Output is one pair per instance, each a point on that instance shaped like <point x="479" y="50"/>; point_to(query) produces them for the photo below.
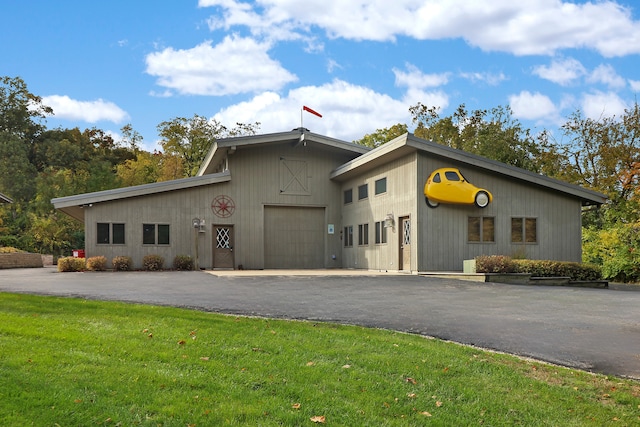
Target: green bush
<point x="70" y="264"/>
<point x="152" y="262"/>
<point x="122" y="263"/>
<point x="183" y="262"/>
<point x="495" y="264"/>
<point x="537" y="268"/>
<point x="97" y="263"/>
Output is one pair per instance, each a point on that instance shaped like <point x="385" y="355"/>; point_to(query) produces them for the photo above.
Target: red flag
<point x="305" y="108"/>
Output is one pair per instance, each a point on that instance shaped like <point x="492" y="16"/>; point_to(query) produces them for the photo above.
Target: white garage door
<point x="293" y="237"/>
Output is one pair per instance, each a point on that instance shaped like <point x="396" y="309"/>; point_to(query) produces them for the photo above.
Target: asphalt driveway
<point x="592" y="329"/>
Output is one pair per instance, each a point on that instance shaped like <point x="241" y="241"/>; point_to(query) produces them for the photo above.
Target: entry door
<point x="223" y="246"/>
<point x="405" y="243"/>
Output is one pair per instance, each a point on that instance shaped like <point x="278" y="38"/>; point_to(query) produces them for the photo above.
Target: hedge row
<point x="122" y="263"/>
<point x="538" y="268"/>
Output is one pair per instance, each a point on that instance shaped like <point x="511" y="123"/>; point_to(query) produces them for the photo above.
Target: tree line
<point x="38" y="164"/>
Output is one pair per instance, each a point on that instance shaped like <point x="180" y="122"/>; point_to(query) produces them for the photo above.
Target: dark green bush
<point x="122" y="263"/>
<point x="69" y="264"/>
<point x="183" y="262"/>
<point x="97" y="263"/>
<point x="537" y="268"/>
<point x="152" y="262"/>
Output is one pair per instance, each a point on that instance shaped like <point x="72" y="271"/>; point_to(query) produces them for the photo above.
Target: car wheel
<point x="482" y="199"/>
<point x="430" y="203"/>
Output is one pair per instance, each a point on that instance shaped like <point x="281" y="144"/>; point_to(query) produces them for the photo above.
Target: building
<point x="5" y="199"/>
<point x="301" y="200"/>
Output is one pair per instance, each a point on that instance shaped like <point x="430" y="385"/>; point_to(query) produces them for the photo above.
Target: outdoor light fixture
<point x="196" y="222"/>
<point x="389" y="222"/>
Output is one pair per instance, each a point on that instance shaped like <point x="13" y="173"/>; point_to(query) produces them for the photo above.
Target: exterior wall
<point x="399" y="200"/>
<point x="443" y="231"/>
<point x="259" y="178"/>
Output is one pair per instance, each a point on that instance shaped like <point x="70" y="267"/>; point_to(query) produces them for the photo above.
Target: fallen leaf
<point x="150" y="335"/>
<point x="192" y="333"/>
<point x="310" y="363"/>
<point x="77" y="401"/>
<point x="204" y="358"/>
<point x="144" y="331"/>
<point x="296" y="406"/>
<point x="411" y="395"/>
<point x="182" y="342"/>
<point x="445" y="369"/>
<point x="438" y="404"/>
<point x="318" y="419"/>
<point x="411" y="380"/>
<point x="425" y="413"/>
<point x="346" y="366"/>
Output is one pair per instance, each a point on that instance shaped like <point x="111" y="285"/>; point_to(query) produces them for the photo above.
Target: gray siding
<point x="443" y="232"/>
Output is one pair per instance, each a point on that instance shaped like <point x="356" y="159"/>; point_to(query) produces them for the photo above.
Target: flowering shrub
<point x="183" y="262"/>
<point x="122" y="263"/>
<point x="495" y="264"/>
<point x="152" y="262"/>
<point x="69" y="264"/>
<point x="97" y="263"/>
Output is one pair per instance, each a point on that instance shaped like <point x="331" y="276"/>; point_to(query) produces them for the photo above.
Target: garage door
<point x="293" y="237"/>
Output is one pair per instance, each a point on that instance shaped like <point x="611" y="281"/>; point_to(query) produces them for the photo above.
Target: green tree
<point x="381" y="136"/>
<point x="494" y="134"/>
<point x="190" y="139"/>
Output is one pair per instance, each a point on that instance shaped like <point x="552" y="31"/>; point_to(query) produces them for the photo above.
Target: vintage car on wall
<point x="448" y="185"/>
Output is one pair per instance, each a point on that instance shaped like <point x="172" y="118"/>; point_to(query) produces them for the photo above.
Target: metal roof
<point x="409" y="143"/>
<point x="5" y="199"/>
<point x="74" y="205"/>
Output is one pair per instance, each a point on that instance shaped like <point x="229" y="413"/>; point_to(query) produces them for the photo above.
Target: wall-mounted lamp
<point x="198" y="224"/>
<point x="389" y="221"/>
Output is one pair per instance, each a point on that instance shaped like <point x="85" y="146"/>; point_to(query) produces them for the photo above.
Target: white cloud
<point x="349" y="111"/>
<point x="236" y="65"/>
<point x="533" y="106"/>
<point x="491" y="79"/>
<point x="605" y="74"/>
<point x="602" y="104"/>
<point x="521" y="28"/>
<point x="562" y="72"/>
<point x="415" y="79"/>
<point x="87" y="111"/>
<point x="635" y="85"/>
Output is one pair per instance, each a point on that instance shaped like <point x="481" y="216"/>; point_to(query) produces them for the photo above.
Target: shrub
<point x="574" y="270"/>
<point x="97" y="263"/>
<point x="495" y="264"/>
<point x="152" y="262"/>
<point x="69" y="264"/>
<point x="122" y="263"/>
<point x="183" y="262"/>
<point x="9" y="250"/>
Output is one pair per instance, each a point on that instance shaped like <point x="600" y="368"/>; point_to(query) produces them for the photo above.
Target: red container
<point x="78" y="253"/>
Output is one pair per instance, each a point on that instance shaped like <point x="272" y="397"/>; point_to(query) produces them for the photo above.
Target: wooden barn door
<point x="223" y="246"/>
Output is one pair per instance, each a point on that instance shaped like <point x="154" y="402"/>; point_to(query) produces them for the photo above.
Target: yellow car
<point x="448" y="185"/>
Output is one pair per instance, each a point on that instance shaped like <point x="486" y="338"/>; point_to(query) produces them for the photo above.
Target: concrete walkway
<point x="591" y="329"/>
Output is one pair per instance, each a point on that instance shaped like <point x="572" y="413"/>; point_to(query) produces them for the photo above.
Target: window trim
<point x="363" y="192"/>
<point x="481" y="224"/>
<point x="380" y="182"/>
<point x="156" y="233"/>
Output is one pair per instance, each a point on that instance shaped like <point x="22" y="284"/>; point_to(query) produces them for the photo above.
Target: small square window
<point x="524" y="230"/>
<point x="363" y="191"/>
<point x="481" y="229"/>
<point x="381" y="186"/>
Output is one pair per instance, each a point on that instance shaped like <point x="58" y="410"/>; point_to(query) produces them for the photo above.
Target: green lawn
<point x="72" y="362"/>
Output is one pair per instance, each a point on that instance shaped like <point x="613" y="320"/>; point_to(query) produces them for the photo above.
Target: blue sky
<point x="361" y="64"/>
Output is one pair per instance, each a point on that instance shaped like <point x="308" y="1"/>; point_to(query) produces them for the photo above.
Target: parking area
<point x="592" y="329"/>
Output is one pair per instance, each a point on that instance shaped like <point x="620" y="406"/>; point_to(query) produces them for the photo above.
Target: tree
<point x="190" y="139"/>
<point x="20" y="110"/>
<point x="381" y="136"/>
<point x="494" y="134"/>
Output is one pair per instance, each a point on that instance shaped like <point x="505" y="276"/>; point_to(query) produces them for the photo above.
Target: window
<point x="348" y="236"/>
<point x="363" y="191"/>
<point x="110" y="234"/>
<point x="451" y="176"/>
<point x="381" y="186"/>
<point x="524" y="230"/>
<point x="481" y="229"/>
<point x="155" y="234"/>
<point x="363" y="234"/>
<point x="381" y="232"/>
<point x="348" y="196"/>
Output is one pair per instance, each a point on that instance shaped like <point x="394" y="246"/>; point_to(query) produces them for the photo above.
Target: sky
<point x="360" y="64"/>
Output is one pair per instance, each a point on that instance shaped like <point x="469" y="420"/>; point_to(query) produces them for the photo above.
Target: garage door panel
<point x="294" y="237"/>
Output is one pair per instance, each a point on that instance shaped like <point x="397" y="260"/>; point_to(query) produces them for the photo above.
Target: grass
<point x="77" y="362"/>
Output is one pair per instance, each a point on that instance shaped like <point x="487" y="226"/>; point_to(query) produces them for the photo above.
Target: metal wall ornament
<point x="223" y="206"/>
